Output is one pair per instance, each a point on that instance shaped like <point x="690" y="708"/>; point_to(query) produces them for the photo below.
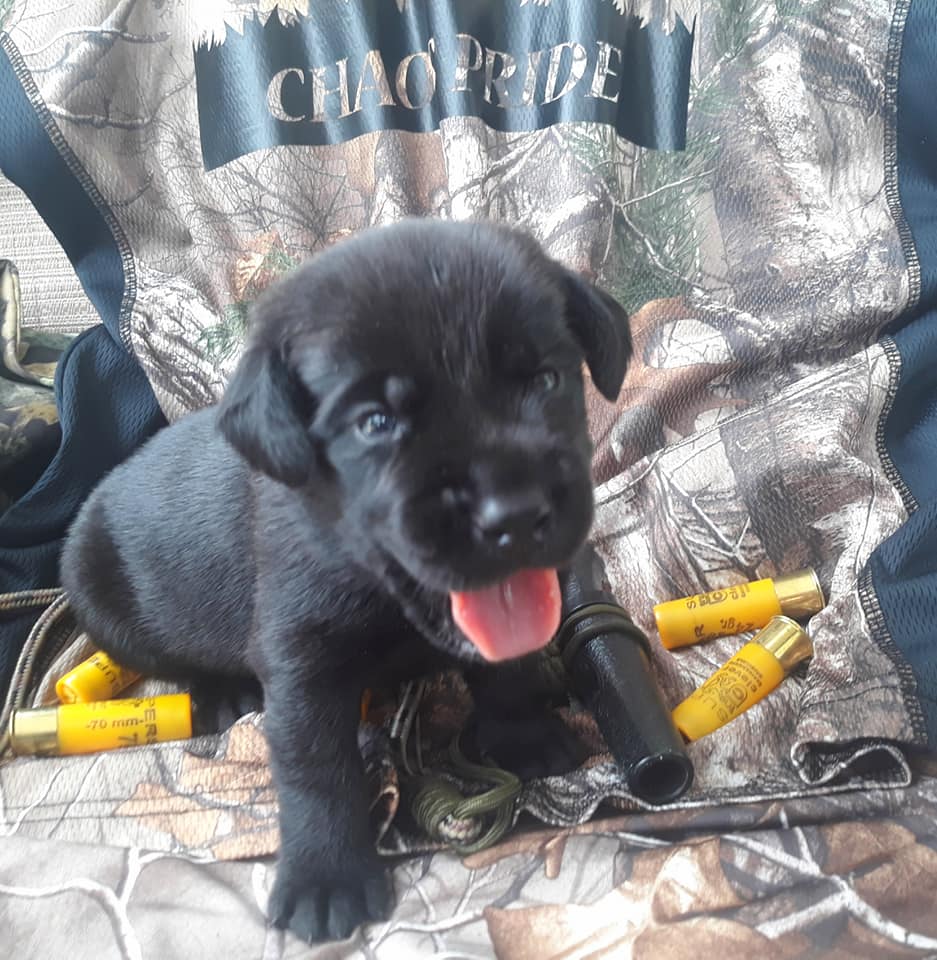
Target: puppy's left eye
<point x="545" y="380"/>
<point x="376" y="425"/>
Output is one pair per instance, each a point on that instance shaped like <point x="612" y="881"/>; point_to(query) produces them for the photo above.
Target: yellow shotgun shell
<point x="745" y="679"/>
<point x="97" y="678"/>
<point x="102" y="725"/>
<point x="737" y="609"/>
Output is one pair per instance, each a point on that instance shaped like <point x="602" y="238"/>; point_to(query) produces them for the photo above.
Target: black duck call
<point x="608" y="659"/>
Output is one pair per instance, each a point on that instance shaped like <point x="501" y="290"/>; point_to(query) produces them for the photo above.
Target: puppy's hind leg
<point x="515" y="723"/>
<point x="104" y="600"/>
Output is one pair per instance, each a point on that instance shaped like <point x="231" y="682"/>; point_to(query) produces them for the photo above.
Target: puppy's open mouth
<point x="514" y="617"/>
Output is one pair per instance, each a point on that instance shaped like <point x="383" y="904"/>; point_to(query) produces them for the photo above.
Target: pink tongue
<point x="517" y="616"/>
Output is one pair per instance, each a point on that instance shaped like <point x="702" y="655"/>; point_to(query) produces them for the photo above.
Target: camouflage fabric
<point x="29" y="433"/>
<point x="41" y="307"/>
<point x="831" y="877"/>
<point x="761" y="269"/>
<point x="761" y="266"/>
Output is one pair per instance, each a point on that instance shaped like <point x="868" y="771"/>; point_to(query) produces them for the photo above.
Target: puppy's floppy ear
<point x="264" y="413"/>
<point x="602" y="328"/>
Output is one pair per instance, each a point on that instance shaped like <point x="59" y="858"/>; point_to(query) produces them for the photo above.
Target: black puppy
<point x="397" y="469"/>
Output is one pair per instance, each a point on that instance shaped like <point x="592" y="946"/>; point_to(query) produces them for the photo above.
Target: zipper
<point x="50" y="635"/>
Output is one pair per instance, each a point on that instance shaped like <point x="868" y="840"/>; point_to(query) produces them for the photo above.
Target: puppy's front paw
<point x="333" y="910"/>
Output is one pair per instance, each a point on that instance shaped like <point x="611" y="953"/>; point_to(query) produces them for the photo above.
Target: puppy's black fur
<point x="407" y="420"/>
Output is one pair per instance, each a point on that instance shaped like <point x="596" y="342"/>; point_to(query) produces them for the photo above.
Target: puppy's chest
<point x="334" y="618"/>
<point x="316" y="604"/>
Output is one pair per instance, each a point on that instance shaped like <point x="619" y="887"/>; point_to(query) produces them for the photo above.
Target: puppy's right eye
<point x="376" y="425"/>
<point x="545" y="380"/>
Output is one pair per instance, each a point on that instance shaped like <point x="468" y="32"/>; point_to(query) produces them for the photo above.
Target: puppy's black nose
<point x="504" y="519"/>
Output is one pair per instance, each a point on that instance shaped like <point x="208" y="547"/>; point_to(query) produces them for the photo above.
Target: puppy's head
<point x="423" y="382"/>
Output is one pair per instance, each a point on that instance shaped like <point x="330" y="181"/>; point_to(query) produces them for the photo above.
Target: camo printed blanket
<point x="761" y="266"/>
<point x="831" y="877"/>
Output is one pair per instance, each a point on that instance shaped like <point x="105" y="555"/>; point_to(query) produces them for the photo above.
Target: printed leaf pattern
<point x="759" y="267"/>
<point x="830" y="886"/>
